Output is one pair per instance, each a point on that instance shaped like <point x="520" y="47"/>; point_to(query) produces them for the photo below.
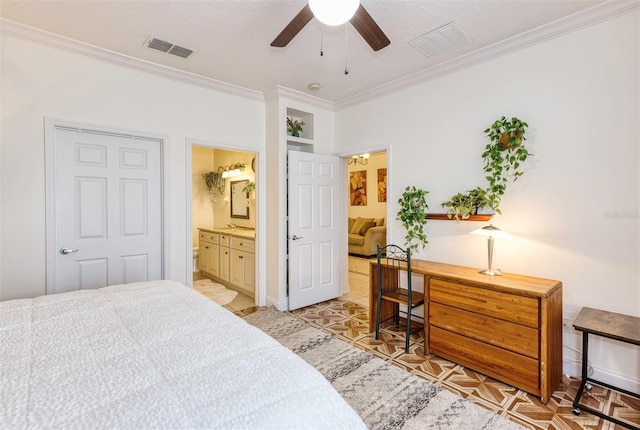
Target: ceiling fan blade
<point x="293" y="28"/>
<point x="369" y="30"/>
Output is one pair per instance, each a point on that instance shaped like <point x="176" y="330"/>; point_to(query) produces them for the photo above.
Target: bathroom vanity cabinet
<point x="229" y="258"/>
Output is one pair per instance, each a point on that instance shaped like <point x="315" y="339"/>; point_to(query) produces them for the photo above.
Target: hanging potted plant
<point x="503" y="157"/>
<point x="214" y="181"/>
<point x="463" y="205"/>
<point x="412" y="214"/>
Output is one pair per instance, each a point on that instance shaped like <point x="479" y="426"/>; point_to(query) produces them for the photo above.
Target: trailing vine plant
<point x="503" y="157"/>
<point x="412" y="214"/>
<point x="214" y="182"/>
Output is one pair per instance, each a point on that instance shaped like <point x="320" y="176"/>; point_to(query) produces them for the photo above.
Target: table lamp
<point x="491" y="232"/>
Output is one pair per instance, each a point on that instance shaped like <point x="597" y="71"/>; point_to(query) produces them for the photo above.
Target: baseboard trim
<point x="574" y="369"/>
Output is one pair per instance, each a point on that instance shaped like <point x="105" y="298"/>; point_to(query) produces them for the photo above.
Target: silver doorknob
<point x="65" y="251"/>
<point x="294" y="237"/>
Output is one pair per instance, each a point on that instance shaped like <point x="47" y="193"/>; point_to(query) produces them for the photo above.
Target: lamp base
<point x="491" y="272"/>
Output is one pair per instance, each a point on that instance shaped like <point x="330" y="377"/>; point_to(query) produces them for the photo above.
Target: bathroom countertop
<point x="238" y="232"/>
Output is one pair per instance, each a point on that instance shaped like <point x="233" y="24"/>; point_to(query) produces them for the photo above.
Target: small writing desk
<point x="623" y="328"/>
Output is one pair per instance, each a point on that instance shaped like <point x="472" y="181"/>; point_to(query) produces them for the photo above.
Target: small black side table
<point x="623" y="328"/>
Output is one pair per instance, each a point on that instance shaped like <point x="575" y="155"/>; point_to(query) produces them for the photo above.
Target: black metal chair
<point x="393" y="264"/>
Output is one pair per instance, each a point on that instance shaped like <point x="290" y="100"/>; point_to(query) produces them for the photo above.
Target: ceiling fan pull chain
<point x="346" y="50"/>
<point x="321" y="40"/>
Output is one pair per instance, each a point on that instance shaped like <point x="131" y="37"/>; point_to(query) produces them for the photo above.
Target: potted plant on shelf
<point x="294" y="126"/>
<point x="503" y="157"/>
<point x="412" y="214"/>
<point x="463" y="205"/>
<point x="251" y="186"/>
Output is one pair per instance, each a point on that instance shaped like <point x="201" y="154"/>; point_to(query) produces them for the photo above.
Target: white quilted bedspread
<point x="152" y="355"/>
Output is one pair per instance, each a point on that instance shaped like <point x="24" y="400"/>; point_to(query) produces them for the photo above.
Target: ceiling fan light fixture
<point x="334" y="12"/>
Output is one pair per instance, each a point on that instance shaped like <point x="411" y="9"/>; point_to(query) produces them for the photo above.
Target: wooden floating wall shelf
<point x="445" y="217"/>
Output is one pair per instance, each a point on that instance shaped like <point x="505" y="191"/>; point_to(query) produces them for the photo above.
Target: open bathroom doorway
<point x="223" y="222"/>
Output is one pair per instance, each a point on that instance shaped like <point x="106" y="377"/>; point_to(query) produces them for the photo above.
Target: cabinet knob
<point x="240" y="256"/>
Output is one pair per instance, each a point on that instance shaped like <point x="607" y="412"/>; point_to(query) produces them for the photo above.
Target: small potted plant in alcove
<point x="294" y="126"/>
<point x="503" y="157"/>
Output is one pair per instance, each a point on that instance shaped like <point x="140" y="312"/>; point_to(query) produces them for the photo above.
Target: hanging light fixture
<point x="233" y="170"/>
<point x="334" y="12"/>
<point x="359" y="159"/>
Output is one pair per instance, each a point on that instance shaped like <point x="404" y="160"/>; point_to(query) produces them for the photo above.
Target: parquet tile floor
<point x="347" y="318"/>
<point x="349" y="322"/>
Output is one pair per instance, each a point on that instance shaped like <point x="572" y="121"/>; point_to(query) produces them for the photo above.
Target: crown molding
<point x="577" y="21"/>
<point x="593" y="15"/>
<point x="299" y="96"/>
<point x="42" y="37"/>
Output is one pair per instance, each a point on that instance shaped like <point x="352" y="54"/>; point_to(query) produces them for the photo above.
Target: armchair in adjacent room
<point x="365" y="234"/>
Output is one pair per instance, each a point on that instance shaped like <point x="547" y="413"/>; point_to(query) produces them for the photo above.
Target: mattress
<point x="152" y="355"/>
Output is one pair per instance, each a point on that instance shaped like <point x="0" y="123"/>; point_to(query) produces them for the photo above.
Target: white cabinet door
<point x="205" y="256"/>
<point x="236" y="267"/>
<point x="214" y="260"/>
<point x="224" y="263"/>
<point x="242" y="269"/>
<point x="249" y="272"/>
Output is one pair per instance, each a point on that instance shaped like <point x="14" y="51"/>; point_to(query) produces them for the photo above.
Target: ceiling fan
<point x="359" y="18"/>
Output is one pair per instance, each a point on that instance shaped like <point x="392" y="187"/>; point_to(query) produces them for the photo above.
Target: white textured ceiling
<point x="231" y="37"/>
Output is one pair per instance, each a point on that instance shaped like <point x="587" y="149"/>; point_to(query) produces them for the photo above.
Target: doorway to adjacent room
<point x="367" y="208"/>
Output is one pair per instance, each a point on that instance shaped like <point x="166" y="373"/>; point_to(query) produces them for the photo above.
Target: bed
<point x="152" y="355"/>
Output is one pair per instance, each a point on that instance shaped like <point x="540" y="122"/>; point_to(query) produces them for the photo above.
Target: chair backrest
<point x="397" y="259"/>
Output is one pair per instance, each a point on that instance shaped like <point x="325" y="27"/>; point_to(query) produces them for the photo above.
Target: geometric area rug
<point x="214" y="291"/>
<point x="385" y="396"/>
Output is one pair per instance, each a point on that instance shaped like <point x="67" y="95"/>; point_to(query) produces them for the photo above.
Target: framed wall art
<point x="358" y="188"/>
<point x="382" y="185"/>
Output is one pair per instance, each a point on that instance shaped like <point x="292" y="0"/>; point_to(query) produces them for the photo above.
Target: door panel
<point x="107" y="210"/>
<point x="315" y="189"/>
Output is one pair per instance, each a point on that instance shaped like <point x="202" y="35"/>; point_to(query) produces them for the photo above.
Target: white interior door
<point x="315" y="192"/>
<point x="107" y="209"/>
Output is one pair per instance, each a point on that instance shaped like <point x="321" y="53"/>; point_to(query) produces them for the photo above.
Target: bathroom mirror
<point x="239" y="200"/>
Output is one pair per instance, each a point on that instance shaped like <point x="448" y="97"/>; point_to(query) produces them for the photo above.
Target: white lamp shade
<point x="333" y="12"/>
<point x="491" y="231"/>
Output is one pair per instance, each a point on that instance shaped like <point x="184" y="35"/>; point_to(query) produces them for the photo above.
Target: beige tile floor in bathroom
<point x="358" y="285"/>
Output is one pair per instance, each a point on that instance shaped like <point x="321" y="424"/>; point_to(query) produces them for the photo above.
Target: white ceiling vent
<point x="440" y="40"/>
<point x="168" y="47"/>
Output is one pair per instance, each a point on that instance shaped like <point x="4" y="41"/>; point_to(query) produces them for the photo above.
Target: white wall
<point x="39" y="81"/>
<point x="202" y="206"/>
<point x="574" y="214"/>
<point x="374" y="208"/>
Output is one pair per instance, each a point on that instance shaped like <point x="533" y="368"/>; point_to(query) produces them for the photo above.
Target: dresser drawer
<point x="508" y="307"/>
<point x="514" y="369"/>
<point x="513" y="337"/>
<point x="209" y="237"/>
<point x="243" y="244"/>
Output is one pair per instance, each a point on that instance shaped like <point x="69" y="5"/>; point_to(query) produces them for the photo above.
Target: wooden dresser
<point x="508" y="327"/>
